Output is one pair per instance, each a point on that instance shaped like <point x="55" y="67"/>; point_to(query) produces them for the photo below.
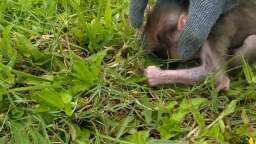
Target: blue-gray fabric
<point x="136" y="12"/>
<point x="202" y="16"/>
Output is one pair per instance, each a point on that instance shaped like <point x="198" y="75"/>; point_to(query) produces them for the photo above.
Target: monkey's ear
<point x="181" y="22"/>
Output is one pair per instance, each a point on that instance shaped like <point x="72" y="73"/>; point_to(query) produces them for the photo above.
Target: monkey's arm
<point x="202" y="16"/>
<point x="190" y="76"/>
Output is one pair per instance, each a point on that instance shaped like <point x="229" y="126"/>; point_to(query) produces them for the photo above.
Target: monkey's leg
<point x="210" y="63"/>
<point x="247" y="50"/>
<point x="214" y="60"/>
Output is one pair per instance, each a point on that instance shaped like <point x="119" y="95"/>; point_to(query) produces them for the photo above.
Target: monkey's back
<point x="234" y="26"/>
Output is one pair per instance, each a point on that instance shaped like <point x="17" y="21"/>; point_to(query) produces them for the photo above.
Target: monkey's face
<point x="162" y="31"/>
<point x="163" y="43"/>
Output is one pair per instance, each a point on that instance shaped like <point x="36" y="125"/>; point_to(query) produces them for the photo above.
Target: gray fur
<point x="201" y="18"/>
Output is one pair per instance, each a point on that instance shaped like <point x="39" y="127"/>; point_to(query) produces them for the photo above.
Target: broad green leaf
<point x="108" y="14"/>
<point x="172" y="126"/>
<point x="167" y="108"/>
<point x="17" y="113"/>
<point x="186" y="107"/>
<point x="68" y="109"/>
<point x="24" y="45"/>
<point x="81" y="71"/>
<point x="222" y="126"/>
<point x="3" y="91"/>
<point x="19" y="133"/>
<point x="37" y="138"/>
<point x="245" y="117"/>
<point x="123" y="126"/>
<point x="140" y="137"/>
<point x="86" y="72"/>
<point x="43" y="108"/>
<point x="199" y="118"/>
<point x="227" y="111"/>
<point x="3" y="5"/>
<point x="167" y="142"/>
<point x="54" y="98"/>
<point x="6" y="48"/>
<point x="13" y="60"/>
<point x="230" y="108"/>
<point x="80" y="35"/>
<point x="79" y="135"/>
<point x="169" y="128"/>
<point x="7" y="78"/>
<point x="215" y="132"/>
<point x="246" y="130"/>
<point x="148" y="115"/>
<point x="27" y="49"/>
<point x="250" y="76"/>
<point x="51" y="97"/>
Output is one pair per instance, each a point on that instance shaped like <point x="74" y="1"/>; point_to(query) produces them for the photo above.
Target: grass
<point x="71" y="72"/>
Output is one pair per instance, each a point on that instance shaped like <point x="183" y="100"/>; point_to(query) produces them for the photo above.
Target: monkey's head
<point x="163" y="28"/>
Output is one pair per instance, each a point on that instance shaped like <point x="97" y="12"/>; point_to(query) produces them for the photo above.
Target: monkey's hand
<point x="153" y="74"/>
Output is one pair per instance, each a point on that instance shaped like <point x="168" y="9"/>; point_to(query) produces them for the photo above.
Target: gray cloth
<point x="136" y="12"/>
<point x="201" y="17"/>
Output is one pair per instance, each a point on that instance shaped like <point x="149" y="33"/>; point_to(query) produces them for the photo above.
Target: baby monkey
<point x="233" y="36"/>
